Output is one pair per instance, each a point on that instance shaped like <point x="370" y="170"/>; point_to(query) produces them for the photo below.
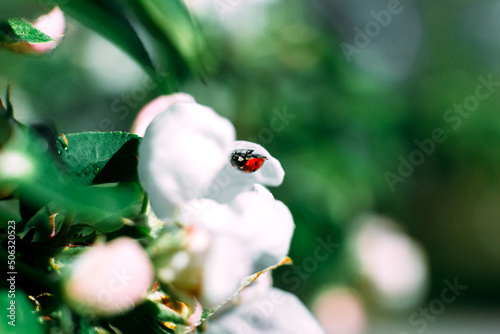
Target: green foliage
<point x="60" y="206"/>
<point x="19" y="30"/>
<point x="6" y="118"/>
<point x="171" y="24"/>
<point x="348" y="128"/>
<point x="108" y="19"/>
<point x="45" y="182"/>
<point x="172" y="43"/>
<point x="95" y="157"/>
<point x="66" y="192"/>
<point x="148" y="318"/>
<point x="25" y="320"/>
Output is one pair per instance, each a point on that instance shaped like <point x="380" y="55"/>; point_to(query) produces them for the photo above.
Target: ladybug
<point x="246" y="161"/>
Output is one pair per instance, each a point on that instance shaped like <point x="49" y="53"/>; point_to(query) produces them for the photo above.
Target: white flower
<point x="234" y="225"/>
<point x="228" y="242"/>
<point x="184" y="156"/>
<point x="109" y="279"/>
<point x="264" y="224"/>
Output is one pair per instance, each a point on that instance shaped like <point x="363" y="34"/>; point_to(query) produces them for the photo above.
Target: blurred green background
<point x="346" y="120"/>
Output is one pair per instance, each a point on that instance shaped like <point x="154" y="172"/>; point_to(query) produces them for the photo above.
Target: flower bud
<point x="52" y="24"/>
<point x="109" y="279"/>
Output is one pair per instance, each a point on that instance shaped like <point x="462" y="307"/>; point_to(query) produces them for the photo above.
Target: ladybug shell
<point x="246" y="161"/>
<point x="252" y="165"/>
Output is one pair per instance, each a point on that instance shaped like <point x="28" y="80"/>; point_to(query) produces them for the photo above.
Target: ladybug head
<point x="240" y="157"/>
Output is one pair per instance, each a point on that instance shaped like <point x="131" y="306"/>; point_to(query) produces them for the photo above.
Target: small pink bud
<point x="52" y="24"/>
<point x="109" y="279"/>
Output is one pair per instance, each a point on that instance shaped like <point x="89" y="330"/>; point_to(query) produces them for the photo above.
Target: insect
<point x="246" y="161"/>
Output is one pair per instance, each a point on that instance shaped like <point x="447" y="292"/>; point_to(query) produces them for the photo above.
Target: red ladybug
<point x="246" y="161"/>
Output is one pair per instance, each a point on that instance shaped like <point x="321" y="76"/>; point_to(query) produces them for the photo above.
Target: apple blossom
<point x="184" y="156"/>
<point x="234" y="226"/>
<point x="226" y="243"/>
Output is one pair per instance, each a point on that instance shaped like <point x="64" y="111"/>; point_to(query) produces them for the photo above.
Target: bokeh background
<point x="349" y="96"/>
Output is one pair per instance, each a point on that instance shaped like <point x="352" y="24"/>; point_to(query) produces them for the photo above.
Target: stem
<point x="145" y="203"/>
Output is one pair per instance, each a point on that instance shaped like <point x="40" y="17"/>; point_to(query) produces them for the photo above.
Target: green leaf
<point x="9" y="210"/>
<point x="19" y="30"/>
<point x="41" y="223"/>
<point x="99" y="157"/>
<point x="87" y="328"/>
<point x="139" y="230"/>
<point x="171" y="24"/>
<point x="6" y="117"/>
<point x="39" y="183"/>
<point x="25" y="319"/>
<point x="10" y="109"/>
<point x="102" y="207"/>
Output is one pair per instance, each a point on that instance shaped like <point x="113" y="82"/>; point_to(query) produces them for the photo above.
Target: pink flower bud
<point x="109" y="279"/>
<point x="52" y="24"/>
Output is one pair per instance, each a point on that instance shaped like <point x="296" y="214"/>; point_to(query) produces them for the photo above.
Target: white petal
<point x="183" y="149"/>
<point x="247" y="235"/>
<point x="271" y="173"/>
<point x="207" y="213"/>
<point x="262" y="223"/>
<point x="262" y="191"/>
<point x="266" y="224"/>
<point x="225" y="262"/>
<point x="230" y="181"/>
<point x="228" y="262"/>
<point x="276" y="312"/>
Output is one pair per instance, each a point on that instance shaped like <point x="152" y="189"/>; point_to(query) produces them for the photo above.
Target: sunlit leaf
<point x="99" y="157"/>
<point x="19" y="30"/>
<point x="38" y="182"/>
<point x="172" y="25"/>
